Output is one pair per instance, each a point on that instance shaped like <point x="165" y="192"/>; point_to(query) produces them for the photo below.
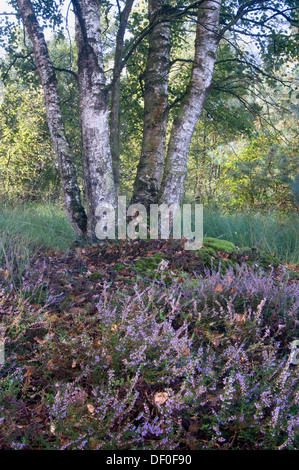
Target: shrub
<point x="204" y="363"/>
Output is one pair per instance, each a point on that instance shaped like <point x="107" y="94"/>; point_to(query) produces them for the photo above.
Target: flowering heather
<point x="203" y="362"/>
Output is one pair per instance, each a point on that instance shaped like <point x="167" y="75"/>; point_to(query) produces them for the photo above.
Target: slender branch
<point x="240" y="13"/>
<point x="185" y="61"/>
<point x="18" y="56"/>
<point x="174" y="15"/>
<point x="9" y="14"/>
<point x="256" y="67"/>
<point x="71" y="72"/>
<point x="124" y="16"/>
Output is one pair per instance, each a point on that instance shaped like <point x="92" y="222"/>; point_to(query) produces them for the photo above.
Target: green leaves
<point x="27" y="165"/>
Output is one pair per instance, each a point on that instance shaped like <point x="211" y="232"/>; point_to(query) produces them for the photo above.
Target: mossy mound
<point x="223" y="246"/>
<point x="266" y="260"/>
<point x="215" y="255"/>
<point x="149" y="263"/>
<point x="235" y="254"/>
<point x="210" y="259"/>
<point x="96" y="276"/>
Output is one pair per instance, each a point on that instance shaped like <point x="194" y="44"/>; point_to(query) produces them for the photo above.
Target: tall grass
<point x="43" y="225"/>
<point x="28" y="229"/>
<point x="273" y="232"/>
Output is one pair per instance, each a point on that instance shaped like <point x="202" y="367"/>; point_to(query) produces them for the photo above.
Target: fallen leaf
<point x="160" y="398"/>
<point x="96" y="343"/>
<point x="79" y="397"/>
<point x="30" y="370"/>
<point x="219" y="288"/>
<point x="90" y="408"/>
<point x="40" y="341"/>
<point x="109" y="359"/>
<point x="240" y="318"/>
<point x="50" y="365"/>
<point x="163" y="265"/>
<point x="216" y="340"/>
<point x="94" y="443"/>
<point x="77" y="310"/>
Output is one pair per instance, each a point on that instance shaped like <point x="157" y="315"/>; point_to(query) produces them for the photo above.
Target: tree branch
<point x="18" y="56"/>
<point x="71" y="72"/>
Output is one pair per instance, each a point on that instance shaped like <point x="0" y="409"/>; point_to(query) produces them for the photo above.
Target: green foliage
<point x="259" y="174"/>
<point x="247" y="158"/>
<point x="27" y="162"/>
<point x="230" y="164"/>
<point x="63" y="55"/>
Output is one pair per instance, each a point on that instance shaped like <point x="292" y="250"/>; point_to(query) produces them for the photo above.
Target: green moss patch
<point x="219" y="245"/>
<point x="215" y="254"/>
<point x="149" y="263"/>
<point x="96" y="276"/>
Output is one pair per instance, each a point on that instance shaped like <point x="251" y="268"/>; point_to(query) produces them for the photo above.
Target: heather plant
<point x="240" y="292"/>
<point x="199" y="364"/>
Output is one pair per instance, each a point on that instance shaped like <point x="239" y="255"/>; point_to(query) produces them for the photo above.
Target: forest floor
<point x="144" y="345"/>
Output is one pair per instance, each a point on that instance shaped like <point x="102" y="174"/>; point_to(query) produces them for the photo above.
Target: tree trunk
<point x="71" y="191"/>
<point x="206" y="43"/>
<point x="115" y="93"/>
<point x="115" y="132"/>
<point x="93" y="97"/>
<point x="150" y="167"/>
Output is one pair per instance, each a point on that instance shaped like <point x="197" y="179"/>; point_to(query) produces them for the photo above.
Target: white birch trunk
<point x="206" y="43"/>
<point x="71" y="191"/>
<point x="93" y="96"/>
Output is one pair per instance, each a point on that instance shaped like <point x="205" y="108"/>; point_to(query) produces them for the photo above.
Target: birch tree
<point x="93" y="99"/>
<point x="71" y="191"/>
<point x="206" y="43"/>
<point x="150" y="167"/>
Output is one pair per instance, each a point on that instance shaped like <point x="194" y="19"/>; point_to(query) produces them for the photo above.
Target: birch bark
<point x="150" y="167"/>
<point x="93" y="97"/>
<point x="71" y="191"/>
<point x="206" y="43"/>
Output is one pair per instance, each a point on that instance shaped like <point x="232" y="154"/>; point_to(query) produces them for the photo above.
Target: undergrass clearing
<point x="45" y="225"/>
